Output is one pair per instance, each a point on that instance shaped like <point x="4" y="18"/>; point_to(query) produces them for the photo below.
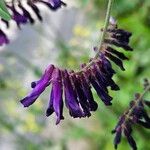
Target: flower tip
<point x="115" y="146"/>
<point x="113" y="131"/>
<point x="49" y="112"/>
<point x="33" y="84"/>
<point x="59" y="119"/>
<point x="23" y="103"/>
<point x="115" y="88"/>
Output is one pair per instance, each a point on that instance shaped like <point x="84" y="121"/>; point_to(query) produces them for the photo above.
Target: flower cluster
<point x="76" y="86"/>
<point x="136" y="114"/>
<point x="22" y="16"/>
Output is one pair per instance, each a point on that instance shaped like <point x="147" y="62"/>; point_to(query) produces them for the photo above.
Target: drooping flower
<point x="56" y="100"/>
<point x="71" y="100"/>
<point x="22" y="16"/>
<point x="39" y="87"/>
<point x="136" y="114"/>
<point x="74" y="88"/>
<point x="17" y="17"/>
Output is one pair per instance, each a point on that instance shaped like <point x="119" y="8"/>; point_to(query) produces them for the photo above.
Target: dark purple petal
<point x="106" y="65"/>
<point x="116" y="43"/>
<point x="81" y="96"/>
<point x="87" y="91"/>
<point x="35" y="9"/>
<point x="118" y="54"/>
<point x="106" y="79"/>
<point x="6" y="22"/>
<point x="101" y="93"/>
<point x="3" y="38"/>
<point x="26" y="13"/>
<point x="144" y="124"/>
<point x="33" y="84"/>
<point x="120" y="32"/>
<point x="50" y="108"/>
<point x="99" y="78"/>
<point x="116" y="60"/>
<point x="132" y="142"/>
<point x="147" y="103"/>
<point x="39" y="88"/>
<point x="56" y="3"/>
<point x="53" y="4"/>
<point x="56" y="94"/>
<point x="117" y="139"/>
<point x="17" y="17"/>
<point x="71" y="98"/>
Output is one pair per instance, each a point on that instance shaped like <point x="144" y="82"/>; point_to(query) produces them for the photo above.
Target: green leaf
<point x="3" y="11"/>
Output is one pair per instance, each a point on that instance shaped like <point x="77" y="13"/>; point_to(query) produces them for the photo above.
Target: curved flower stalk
<point x="136" y="114"/>
<point x="76" y="86"/>
<point x="23" y="16"/>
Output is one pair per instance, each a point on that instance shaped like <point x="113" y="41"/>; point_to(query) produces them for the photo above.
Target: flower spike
<point x="136" y="114"/>
<point x="76" y="86"/>
<point x="23" y="16"/>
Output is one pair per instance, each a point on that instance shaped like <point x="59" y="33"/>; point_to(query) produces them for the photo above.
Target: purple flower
<point x="81" y="96"/>
<point x="71" y="100"/>
<point x="39" y="88"/>
<point x="23" y="16"/>
<point x="56" y="100"/>
<point x="3" y="38"/>
<point x="26" y="14"/>
<point x="103" y="95"/>
<point x="136" y="114"/>
<point x="53" y="4"/>
<point x="75" y="87"/>
<point x="87" y="92"/>
<point x="17" y="17"/>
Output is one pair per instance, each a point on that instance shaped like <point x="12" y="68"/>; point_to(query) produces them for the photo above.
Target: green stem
<point x="138" y="100"/>
<point x="107" y="18"/>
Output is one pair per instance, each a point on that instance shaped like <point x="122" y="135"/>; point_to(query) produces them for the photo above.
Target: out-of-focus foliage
<point x="3" y="11"/>
<point x="29" y="129"/>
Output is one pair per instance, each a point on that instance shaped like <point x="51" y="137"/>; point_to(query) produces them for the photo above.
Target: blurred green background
<point x="67" y="38"/>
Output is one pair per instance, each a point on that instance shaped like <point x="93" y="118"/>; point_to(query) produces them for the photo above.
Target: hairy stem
<point x="138" y="100"/>
<point x="107" y="18"/>
<point x="108" y="13"/>
<point x="136" y="103"/>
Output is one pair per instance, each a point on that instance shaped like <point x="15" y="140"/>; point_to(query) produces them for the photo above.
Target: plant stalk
<point x="106" y="24"/>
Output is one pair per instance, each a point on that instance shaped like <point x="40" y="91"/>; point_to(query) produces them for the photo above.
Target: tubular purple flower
<point x="87" y="91"/>
<point x="118" y="54"/>
<point x="26" y="13"/>
<point x="53" y="4"/>
<point x="81" y="96"/>
<point x="17" y="17"/>
<point x="56" y="99"/>
<point x="100" y="92"/>
<point x="114" y="59"/>
<point x="106" y="79"/>
<point x="56" y="3"/>
<point x="117" y="139"/>
<point x="106" y="65"/>
<point x="98" y="78"/>
<point x="39" y="88"/>
<point x="70" y="97"/>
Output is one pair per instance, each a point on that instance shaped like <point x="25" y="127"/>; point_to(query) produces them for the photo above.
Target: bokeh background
<point x="66" y="38"/>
